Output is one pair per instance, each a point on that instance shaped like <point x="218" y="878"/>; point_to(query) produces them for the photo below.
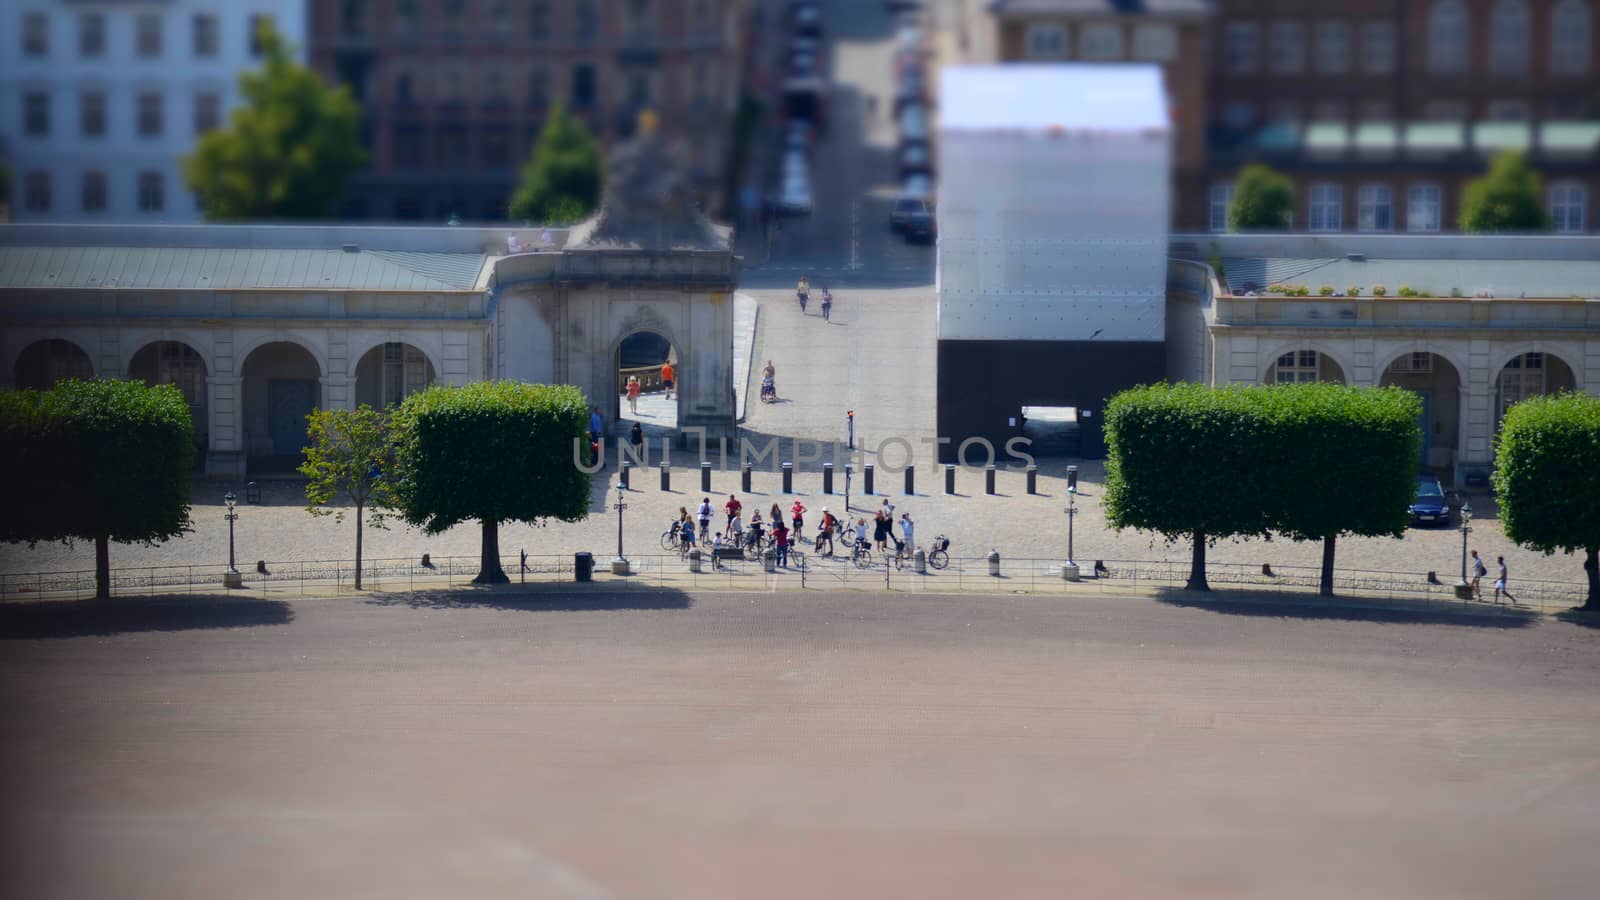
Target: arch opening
<point x="43" y="363"/>
<point x="1527" y="375"/>
<point x="281" y="384"/>
<point x="1434" y="379"/>
<point x="390" y="372"/>
<point x="1301" y="366"/>
<point x="178" y="364"/>
<point x="647" y="358"/>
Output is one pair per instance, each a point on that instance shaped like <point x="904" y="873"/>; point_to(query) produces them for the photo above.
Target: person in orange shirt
<point x="666" y="377"/>
<point x="633" y="394"/>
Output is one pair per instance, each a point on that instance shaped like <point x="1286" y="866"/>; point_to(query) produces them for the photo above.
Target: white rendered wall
<point x="121" y="74"/>
<point x="1053" y="236"/>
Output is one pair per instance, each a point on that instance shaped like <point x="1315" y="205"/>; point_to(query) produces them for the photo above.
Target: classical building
<point x="99" y="102"/>
<point x="455" y="92"/>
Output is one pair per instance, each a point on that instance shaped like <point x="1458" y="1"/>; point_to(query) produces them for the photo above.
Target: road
<point x="781" y="746"/>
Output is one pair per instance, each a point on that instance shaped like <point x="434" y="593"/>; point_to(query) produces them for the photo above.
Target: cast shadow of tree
<point x="539" y="598"/>
<point x="1300" y="606"/>
<point x="103" y="618"/>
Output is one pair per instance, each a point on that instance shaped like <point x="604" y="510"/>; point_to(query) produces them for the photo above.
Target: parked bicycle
<point x="670" y="538"/>
<point x="939" y="552"/>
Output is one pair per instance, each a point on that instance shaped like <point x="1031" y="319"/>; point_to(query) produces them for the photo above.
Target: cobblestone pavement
<point x="787" y="746"/>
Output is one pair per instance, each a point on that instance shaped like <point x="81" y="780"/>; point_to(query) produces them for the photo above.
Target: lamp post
<point x="1069" y="571"/>
<point x="1463" y="588"/>
<point x="231" y="578"/>
<point x="619" y="566"/>
<point x="850" y="417"/>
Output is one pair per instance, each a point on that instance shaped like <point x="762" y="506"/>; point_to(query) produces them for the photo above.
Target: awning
<point x="1493" y="137"/>
<point x="1578" y="138"/>
<point x="1435" y="137"/>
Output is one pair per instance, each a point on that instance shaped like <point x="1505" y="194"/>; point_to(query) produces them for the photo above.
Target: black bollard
<point x="866" y="478"/>
<point x="627" y="469"/>
<point x="949" y="478"/>
<point x="1033" y="479"/>
<point x="911" y="480"/>
<point x="788" y="478"/>
<point x="666" y="478"/>
<point x="744" y="478"/>
<point x="827" y="478"/>
<point x="988" y="479"/>
<point x="705" y="477"/>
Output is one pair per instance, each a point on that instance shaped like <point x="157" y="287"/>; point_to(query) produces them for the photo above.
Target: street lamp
<point x="231" y="578"/>
<point x="1463" y="589"/>
<point x="1069" y="571"/>
<point x="619" y="566"/>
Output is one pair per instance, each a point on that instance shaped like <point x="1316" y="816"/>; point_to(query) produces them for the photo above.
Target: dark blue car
<point x="1430" y="506"/>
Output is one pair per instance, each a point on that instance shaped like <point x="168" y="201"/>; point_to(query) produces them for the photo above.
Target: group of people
<point x="634" y="387"/>
<point x="802" y="292"/>
<point x="883" y="523"/>
<point x="1501" y="581"/>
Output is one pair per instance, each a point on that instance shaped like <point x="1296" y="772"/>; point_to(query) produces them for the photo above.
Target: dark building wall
<point x="984" y="384"/>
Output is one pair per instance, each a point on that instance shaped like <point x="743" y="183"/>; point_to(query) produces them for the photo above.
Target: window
<point x="1239" y="114"/>
<point x="1377" y="111"/>
<point x="35" y="34"/>
<point x="454" y="9"/>
<point x="1424" y="207"/>
<point x="1375" y="208"/>
<point x="1512" y="110"/>
<point x="92" y="34"/>
<point x="353" y="17"/>
<point x="453" y="150"/>
<point x="1570" y="36"/>
<point x="152" y="192"/>
<point x="539" y="21"/>
<point x="405" y="371"/>
<point x="1377" y="48"/>
<point x="1291" y="112"/>
<point x="405" y="15"/>
<point x="1158" y="42"/>
<point x="1417" y="362"/>
<point x="1101" y="41"/>
<point x="583" y="86"/>
<point x="638" y="17"/>
<point x="147" y="40"/>
<point x="1240" y="48"/>
<point x="1221" y="200"/>
<point x="150" y="124"/>
<point x="584" y="23"/>
<point x="205" y="35"/>
<point x="698" y="79"/>
<point x="1523" y="377"/>
<point x="408" y="146"/>
<point x="539" y="87"/>
<point x="1331" y="111"/>
<point x="1046" y="41"/>
<point x="1568" y="203"/>
<point x="499" y="15"/>
<point x="1333" y="48"/>
<point x="1326" y="212"/>
<point x="1287" y="48"/>
<point x="1299" y="367"/>
<point x="207" y="112"/>
<point x="36" y="192"/>
<point x="258" y="22"/>
<point x="1508" y="38"/>
<point x="494" y="88"/>
<point x="497" y="146"/>
<point x="36" y="114"/>
<point x="92" y="114"/>
<point x="94" y="192"/>
<point x="1444" y="110"/>
<point x="1448" y="31"/>
<point x="639" y="89"/>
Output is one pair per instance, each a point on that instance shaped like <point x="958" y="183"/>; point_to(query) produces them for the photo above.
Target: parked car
<point x="794" y="199"/>
<point x="1431" y="505"/>
<point x="919" y="226"/>
<point x="915" y="159"/>
<point x="797" y="137"/>
<point x="806" y="19"/>
<point x="902" y="211"/>
<point x="901" y="6"/>
<point x="910" y="89"/>
<point x="914" y="124"/>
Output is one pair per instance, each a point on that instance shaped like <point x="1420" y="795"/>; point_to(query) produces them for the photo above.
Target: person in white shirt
<point x="861" y="532"/>
<point x="716" y="551"/>
<point x="908" y="529"/>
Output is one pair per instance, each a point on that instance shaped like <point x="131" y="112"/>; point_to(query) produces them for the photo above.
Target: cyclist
<point x="803" y="292"/>
<point x="829" y="523"/>
<point x="704" y="514"/>
<point x="861" y="536"/>
<point x="798" y="512"/>
<point x="755" y="528"/>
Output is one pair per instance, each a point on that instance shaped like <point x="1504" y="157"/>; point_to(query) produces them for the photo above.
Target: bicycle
<point x="752" y="546"/>
<point x="669" y="538"/>
<point x="898" y="556"/>
<point x="797" y="559"/>
<point x="938" y="552"/>
<point x="861" y="554"/>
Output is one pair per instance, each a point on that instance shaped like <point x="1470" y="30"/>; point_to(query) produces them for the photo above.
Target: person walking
<point x="704" y="514"/>
<point x="780" y="543"/>
<point x="880" y="530"/>
<point x="596" y="424"/>
<point x="666" y="377"/>
<point x="827" y="302"/>
<point x="1500" y="582"/>
<point x="1478" y="571"/>
<point x="777" y="516"/>
<point x="755" y="528"/>
<point x="733" y="507"/>
<point x="716" y="551"/>
<point x="636" y="438"/>
<point x="633" y="394"/>
<point x="803" y="292"/>
<point x="908" y="530"/>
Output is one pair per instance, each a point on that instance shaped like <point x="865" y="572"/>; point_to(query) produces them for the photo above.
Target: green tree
<point x="1182" y="460"/>
<point x="1547" y="478"/>
<point x="345" y="460"/>
<point x="1346" y="461"/>
<point x="96" y="460"/>
<point x="287" y="153"/>
<point x="1508" y="198"/>
<point x="562" y="180"/>
<point x="495" y="451"/>
<point x="1263" y="200"/>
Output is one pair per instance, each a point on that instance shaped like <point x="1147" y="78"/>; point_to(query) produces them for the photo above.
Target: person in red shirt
<point x="780" y="543"/>
<point x="732" y="508"/>
<point x="798" y="512"/>
<point x="666" y="377"/>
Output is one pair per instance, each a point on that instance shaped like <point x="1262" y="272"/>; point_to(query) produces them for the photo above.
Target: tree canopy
<point x="563" y="178"/>
<point x="1547" y="478"/>
<point x="287" y="153"/>
<point x="345" y="459"/>
<point x="96" y="460"/>
<point x="497" y="451"/>
<point x="1508" y="198"/>
<point x="1263" y="200"/>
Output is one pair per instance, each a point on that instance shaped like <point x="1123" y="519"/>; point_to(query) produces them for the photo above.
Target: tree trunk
<point x="102" y="568"/>
<point x="489" y="571"/>
<point x="358" y="546"/>
<point x="1591" y="564"/>
<point x="1327" y="565"/>
<point x="1197" y="566"/>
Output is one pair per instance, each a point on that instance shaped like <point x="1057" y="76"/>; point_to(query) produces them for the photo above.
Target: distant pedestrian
<point x="1478" y="571"/>
<point x="908" y="530"/>
<point x="780" y="543"/>
<point x="633" y="394"/>
<point x="704" y="514"/>
<point x="666" y="377"/>
<point x="524" y="562"/>
<point x="733" y="507"/>
<point x="777" y="515"/>
<point x="880" y="530"/>
<point x="686" y="535"/>
<point x="802" y="290"/>
<point x="1501" y="582"/>
<point x="636" y="438"/>
<point x="596" y="424"/>
<point x="827" y="303"/>
<point x="427" y="563"/>
<point x="716" y="551"/>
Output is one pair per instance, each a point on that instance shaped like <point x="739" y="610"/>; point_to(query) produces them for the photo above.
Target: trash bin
<point x="583" y="566"/>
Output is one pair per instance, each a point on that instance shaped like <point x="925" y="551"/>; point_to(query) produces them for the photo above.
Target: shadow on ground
<point x="1299" y="606"/>
<point x="1580" y="616"/>
<point x="539" y="598"/>
<point x="101" y="618"/>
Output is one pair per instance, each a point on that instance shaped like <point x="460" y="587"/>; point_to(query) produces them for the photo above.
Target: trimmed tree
<point x="1182" y="460"/>
<point x="1348" y="463"/>
<point x="1547" y="478"/>
<point x="344" y="461"/>
<point x="1508" y="198"/>
<point x="564" y="175"/>
<point x="287" y="153"/>
<point x="495" y="451"/>
<point x="1263" y="200"/>
<point x="96" y="460"/>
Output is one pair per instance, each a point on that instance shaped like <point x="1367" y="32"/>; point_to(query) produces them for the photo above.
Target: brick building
<point x="455" y="91"/>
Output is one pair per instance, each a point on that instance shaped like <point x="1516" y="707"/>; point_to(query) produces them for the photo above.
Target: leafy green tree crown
<point x="563" y="178"/>
<point x="1263" y="200"/>
<point x="1508" y="198"/>
<point x="1547" y="472"/>
<point x="287" y="153"/>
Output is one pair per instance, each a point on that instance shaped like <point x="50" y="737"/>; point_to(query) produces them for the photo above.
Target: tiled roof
<point x="210" y="268"/>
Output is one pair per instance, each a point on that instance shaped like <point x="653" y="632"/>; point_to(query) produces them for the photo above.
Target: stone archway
<point x="43" y="363"/>
<point x="281" y="383"/>
<point x="643" y="355"/>
<point x="1303" y="365"/>
<point x="177" y="363"/>
<point x="390" y="372"/>
<point x="1530" y="374"/>
<point x="1437" y="381"/>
